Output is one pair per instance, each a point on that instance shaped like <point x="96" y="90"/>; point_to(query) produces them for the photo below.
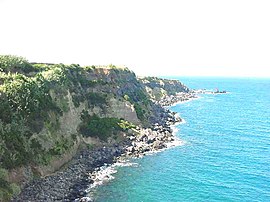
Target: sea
<point x="225" y="155"/>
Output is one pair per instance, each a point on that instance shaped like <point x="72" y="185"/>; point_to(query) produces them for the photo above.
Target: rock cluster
<point x="71" y="183"/>
<point x="152" y="139"/>
<point x="179" y="97"/>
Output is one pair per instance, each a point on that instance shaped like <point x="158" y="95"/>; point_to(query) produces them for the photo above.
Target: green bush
<point x="39" y="67"/>
<point x="94" y="126"/>
<point x="3" y="174"/>
<point x="89" y="68"/>
<point x="125" y="125"/>
<point x="140" y="101"/>
<point x="96" y="99"/>
<point x="77" y="99"/>
<point x="57" y="74"/>
<point x="60" y="147"/>
<point x="5" y="109"/>
<point x="15" y="147"/>
<point x="139" y="111"/>
<point x="127" y="98"/>
<point x="11" y="63"/>
<point x="7" y="189"/>
<point x="26" y="98"/>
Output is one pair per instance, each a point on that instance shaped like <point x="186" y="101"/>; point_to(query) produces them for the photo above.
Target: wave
<point x="105" y="173"/>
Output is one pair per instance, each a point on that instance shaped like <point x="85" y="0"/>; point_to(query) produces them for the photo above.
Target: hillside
<point x="49" y="111"/>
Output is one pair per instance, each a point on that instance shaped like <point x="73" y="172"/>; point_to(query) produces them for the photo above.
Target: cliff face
<point x="48" y="111"/>
<point x="158" y="88"/>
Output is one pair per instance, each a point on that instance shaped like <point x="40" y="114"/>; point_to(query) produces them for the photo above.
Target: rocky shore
<point x="71" y="183"/>
<point x="152" y="139"/>
<point x="179" y="97"/>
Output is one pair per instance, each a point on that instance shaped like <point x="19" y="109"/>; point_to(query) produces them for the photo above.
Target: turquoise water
<point x="226" y="155"/>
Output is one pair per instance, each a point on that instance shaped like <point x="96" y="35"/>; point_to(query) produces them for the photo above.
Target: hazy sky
<point x="151" y="37"/>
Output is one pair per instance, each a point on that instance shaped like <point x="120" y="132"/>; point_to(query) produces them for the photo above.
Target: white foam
<point x="124" y="164"/>
<point x="175" y="143"/>
<point x="175" y="128"/>
<point x="105" y="173"/>
<point x="183" y="121"/>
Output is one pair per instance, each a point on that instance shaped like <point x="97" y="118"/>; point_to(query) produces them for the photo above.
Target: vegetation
<point x="94" y="126"/>
<point x="25" y="98"/>
<point x="140" y="100"/>
<point x="26" y="105"/>
<point x="7" y="189"/>
<point x="15" y="149"/>
<point x="10" y="63"/>
<point x="96" y="98"/>
<point x="139" y="111"/>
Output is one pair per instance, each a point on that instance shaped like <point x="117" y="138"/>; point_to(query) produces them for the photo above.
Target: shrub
<point x="77" y="99"/>
<point x="26" y="98"/>
<point x="125" y="125"/>
<point x="139" y="111"/>
<point x="15" y="149"/>
<point x="57" y="74"/>
<point x="94" y="126"/>
<point x="7" y="189"/>
<point x="3" y="173"/>
<point x="126" y="97"/>
<point x="96" y="98"/>
<point x="11" y="63"/>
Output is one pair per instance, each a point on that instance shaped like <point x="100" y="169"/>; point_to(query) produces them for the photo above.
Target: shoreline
<point x="105" y="173"/>
<point x="173" y="100"/>
<point x="72" y="184"/>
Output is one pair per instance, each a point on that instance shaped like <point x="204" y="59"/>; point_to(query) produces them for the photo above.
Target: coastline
<point x="72" y="184"/>
<point x="103" y="174"/>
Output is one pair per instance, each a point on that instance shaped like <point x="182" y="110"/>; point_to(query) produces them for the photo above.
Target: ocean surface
<point x="225" y="155"/>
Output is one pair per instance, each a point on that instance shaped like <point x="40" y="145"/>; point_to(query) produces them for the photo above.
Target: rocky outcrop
<point x="178" y="97"/>
<point x="159" y="88"/>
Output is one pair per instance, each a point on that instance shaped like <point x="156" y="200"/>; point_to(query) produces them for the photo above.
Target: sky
<point x="151" y="37"/>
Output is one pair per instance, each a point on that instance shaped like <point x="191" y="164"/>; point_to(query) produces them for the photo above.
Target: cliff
<point x="159" y="88"/>
<point x="49" y="111"/>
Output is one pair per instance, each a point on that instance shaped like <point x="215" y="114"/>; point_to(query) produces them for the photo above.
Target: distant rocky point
<point x="204" y="91"/>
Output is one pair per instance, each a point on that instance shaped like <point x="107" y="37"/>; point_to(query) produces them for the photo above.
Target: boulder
<point x="158" y="145"/>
